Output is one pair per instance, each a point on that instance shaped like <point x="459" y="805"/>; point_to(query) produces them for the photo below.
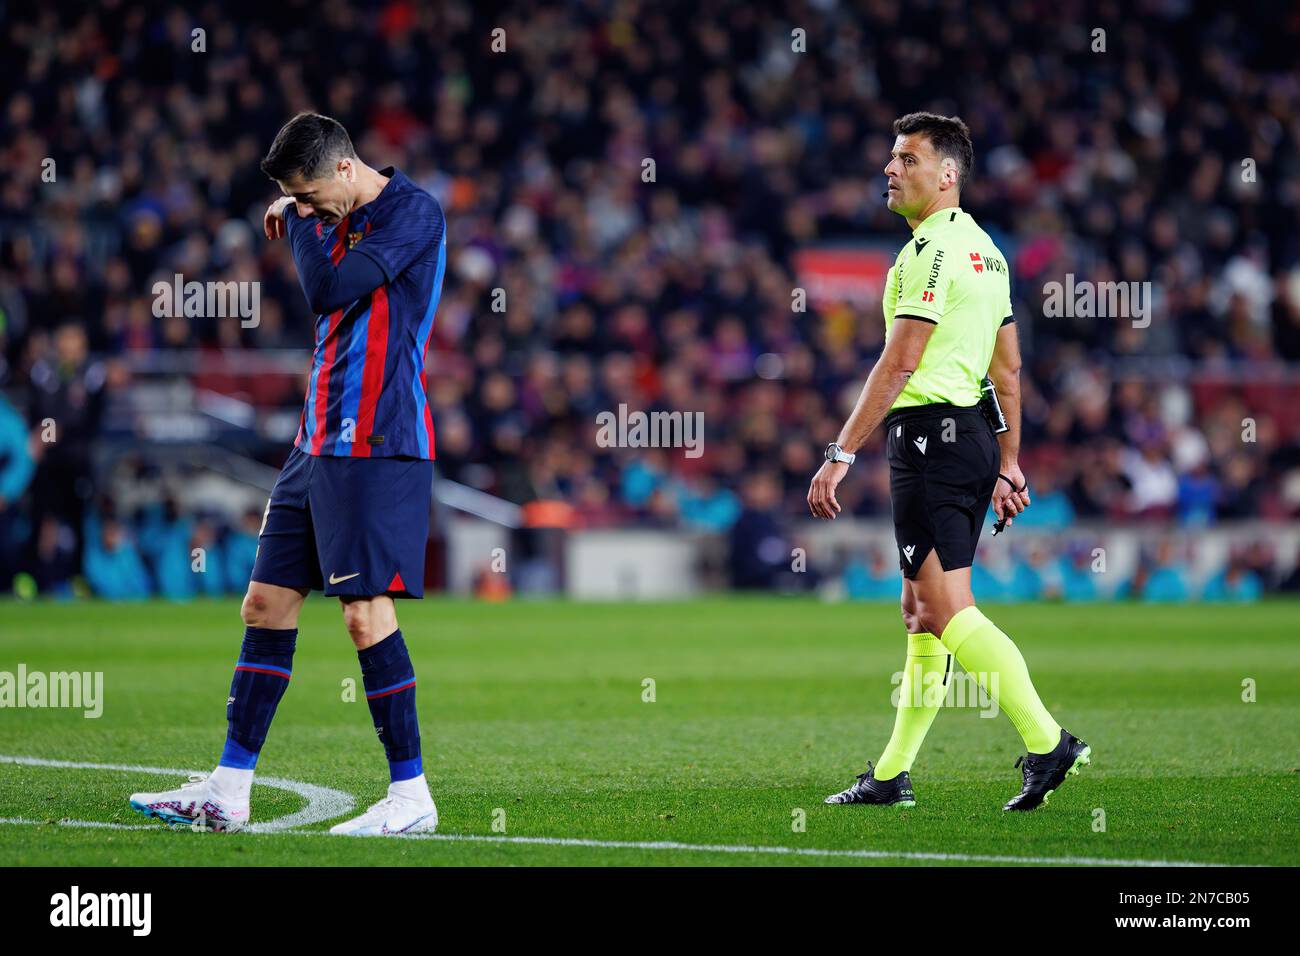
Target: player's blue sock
<point x="389" y="679"/>
<point x="261" y="677"/>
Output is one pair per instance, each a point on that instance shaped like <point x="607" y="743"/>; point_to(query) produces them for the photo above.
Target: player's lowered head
<point x="930" y="162"/>
<point x="313" y="161"/>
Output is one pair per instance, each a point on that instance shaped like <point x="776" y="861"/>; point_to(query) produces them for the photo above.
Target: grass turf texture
<point x="762" y="707"/>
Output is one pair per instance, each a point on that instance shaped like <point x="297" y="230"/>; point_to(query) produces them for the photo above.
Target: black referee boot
<point x="884" y="793"/>
<point x="1043" y="773"/>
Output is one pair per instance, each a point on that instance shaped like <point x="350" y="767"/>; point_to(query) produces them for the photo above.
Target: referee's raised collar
<point x="941" y="215"/>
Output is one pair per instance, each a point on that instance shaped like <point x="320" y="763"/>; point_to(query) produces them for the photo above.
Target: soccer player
<point x="948" y="323"/>
<point x="349" y="513"/>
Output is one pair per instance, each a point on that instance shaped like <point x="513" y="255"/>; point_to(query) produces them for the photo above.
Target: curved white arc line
<point x="323" y="803"/>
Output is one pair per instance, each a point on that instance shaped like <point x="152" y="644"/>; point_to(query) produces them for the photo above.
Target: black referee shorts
<point x="943" y="464"/>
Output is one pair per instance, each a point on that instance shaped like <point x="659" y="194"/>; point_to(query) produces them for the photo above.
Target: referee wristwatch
<point x="835" y="453"/>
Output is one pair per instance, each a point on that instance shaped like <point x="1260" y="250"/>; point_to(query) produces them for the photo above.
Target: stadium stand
<point x="131" y="159"/>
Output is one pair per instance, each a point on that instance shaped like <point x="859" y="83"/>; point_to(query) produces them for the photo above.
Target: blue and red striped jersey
<point x="367" y="395"/>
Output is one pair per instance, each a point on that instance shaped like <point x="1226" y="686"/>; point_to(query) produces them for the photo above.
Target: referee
<point x="948" y="324"/>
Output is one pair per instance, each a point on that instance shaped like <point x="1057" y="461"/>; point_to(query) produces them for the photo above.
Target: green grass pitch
<point x="533" y="718"/>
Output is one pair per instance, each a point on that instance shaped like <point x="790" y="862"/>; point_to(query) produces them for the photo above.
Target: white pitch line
<point x="78" y="824"/>
<point x="694" y="847"/>
<point x="802" y="851"/>
<point x="322" y="802"/>
<point x="326" y="804"/>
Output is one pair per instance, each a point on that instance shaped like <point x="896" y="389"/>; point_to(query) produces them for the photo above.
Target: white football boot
<point x="395" y="815"/>
<point x="196" y="804"/>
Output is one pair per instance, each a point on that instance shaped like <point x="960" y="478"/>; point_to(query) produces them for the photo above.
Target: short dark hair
<point x="307" y="146"/>
<point x="949" y="136"/>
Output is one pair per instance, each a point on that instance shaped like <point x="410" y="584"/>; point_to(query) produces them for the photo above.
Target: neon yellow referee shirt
<point x="950" y="273"/>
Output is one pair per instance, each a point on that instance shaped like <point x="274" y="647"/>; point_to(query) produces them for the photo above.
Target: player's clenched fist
<point x="273" y="221"/>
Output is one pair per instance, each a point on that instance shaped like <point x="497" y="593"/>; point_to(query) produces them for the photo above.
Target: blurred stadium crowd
<point x="674" y="294"/>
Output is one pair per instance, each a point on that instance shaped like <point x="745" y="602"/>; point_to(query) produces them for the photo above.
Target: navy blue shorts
<point x="349" y="526"/>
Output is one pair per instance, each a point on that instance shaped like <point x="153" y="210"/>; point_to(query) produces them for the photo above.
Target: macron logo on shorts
<point x="921" y="443"/>
<point x="907" y="552"/>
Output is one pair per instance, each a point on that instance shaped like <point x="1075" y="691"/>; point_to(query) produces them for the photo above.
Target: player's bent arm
<point x="908" y="337"/>
<point x="1004" y="371"/>
<point x="328" y="287"/>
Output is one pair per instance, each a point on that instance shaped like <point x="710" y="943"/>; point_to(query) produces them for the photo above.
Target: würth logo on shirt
<point x="935" y="266"/>
<point x="977" y="261"/>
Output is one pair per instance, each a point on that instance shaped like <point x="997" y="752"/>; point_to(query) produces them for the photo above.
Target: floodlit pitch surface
<point x="537" y="722"/>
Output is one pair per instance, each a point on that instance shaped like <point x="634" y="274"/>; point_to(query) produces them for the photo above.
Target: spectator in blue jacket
<point x="1079" y="579"/>
<point x="16" y="467"/>
<point x="190" y="561"/>
<point x="113" y="566"/>
<point x="871" y="577"/>
<point x="1235" y="583"/>
<point x="240" y="550"/>
<point x="1163" y="577"/>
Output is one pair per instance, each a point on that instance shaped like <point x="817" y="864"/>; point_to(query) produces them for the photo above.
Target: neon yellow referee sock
<point x="920" y="696"/>
<point x="982" y="649"/>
